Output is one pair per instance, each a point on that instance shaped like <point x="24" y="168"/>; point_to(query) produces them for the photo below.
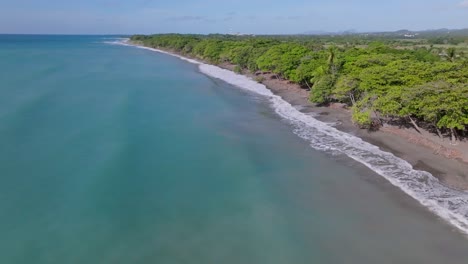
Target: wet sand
<point x="451" y="172"/>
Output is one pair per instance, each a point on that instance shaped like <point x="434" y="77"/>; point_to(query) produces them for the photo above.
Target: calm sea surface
<point x="113" y="154"/>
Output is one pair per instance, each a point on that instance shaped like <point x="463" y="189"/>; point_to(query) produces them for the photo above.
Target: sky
<point x="218" y="16"/>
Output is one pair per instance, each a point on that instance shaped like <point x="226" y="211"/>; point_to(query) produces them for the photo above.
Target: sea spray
<point x="449" y="204"/>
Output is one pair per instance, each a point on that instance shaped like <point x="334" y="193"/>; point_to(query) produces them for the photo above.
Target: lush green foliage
<point x="388" y="81"/>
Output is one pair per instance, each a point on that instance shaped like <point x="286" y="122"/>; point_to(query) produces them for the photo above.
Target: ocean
<point x="111" y="153"/>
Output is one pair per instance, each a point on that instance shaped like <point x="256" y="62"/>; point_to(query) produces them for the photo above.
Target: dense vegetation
<point x="404" y="82"/>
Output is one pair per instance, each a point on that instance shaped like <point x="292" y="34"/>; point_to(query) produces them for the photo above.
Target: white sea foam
<point x="117" y="41"/>
<point x="449" y="204"/>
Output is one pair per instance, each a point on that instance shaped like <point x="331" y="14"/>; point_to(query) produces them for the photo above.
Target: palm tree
<point x="451" y="54"/>
<point x="331" y="59"/>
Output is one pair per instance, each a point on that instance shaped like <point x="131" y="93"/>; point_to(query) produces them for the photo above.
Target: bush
<point x="362" y="118"/>
<point x="260" y="79"/>
<point x="321" y="91"/>
<point x="237" y="69"/>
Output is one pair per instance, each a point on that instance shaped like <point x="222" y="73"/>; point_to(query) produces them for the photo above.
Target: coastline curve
<point x="447" y="203"/>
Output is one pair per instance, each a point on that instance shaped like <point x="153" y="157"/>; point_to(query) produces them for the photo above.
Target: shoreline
<point x="404" y="165"/>
<point x="451" y="172"/>
<point x="422" y="153"/>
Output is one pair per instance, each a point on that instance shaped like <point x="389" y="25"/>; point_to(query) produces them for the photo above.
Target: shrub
<point x="321" y="90"/>
<point x="237" y="69"/>
<point x="362" y="118"/>
<point x="260" y="79"/>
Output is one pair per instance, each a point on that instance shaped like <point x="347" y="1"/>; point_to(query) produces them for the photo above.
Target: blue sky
<point x="211" y="16"/>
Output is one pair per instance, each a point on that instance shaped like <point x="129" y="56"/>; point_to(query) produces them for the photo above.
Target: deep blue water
<point x="113" y="154"/>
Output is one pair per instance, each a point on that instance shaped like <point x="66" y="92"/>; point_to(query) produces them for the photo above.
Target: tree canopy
<point x="389" y="80"/>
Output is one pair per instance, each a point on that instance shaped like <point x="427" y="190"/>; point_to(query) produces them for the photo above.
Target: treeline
<point x="382" y="83"/>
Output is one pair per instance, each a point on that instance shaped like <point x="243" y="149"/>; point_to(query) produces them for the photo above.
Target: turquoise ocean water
<point x="113" y="154"/>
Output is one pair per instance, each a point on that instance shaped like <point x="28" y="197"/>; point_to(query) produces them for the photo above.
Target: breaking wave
<point x="449" y="204"/>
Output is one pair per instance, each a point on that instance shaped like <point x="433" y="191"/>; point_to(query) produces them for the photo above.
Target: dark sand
<point x="407" y="144"/>
<point x="451" y="172"/>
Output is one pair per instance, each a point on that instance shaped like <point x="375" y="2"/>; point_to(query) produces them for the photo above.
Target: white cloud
<point x="464" y="3"/>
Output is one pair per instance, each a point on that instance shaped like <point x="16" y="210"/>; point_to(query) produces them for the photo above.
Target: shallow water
<point x="112" y="154"/>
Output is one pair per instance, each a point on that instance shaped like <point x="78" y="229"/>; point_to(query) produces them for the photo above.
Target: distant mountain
<point x="321" y="32"/>
<point x="401" y="32"/>
<point x="446" y="31"/>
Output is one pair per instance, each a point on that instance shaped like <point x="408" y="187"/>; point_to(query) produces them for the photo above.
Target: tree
<point x="322" y="89"/>
<point x="332" y="67"/>
<point x="391" y="79"/>
<point x="451" y="54"/>
<point x="346" y="88"/>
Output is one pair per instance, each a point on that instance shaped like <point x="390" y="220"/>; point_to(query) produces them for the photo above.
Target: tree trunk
<point x="415" y="125"/>
<point x="439" y="133"/>
<point x="379" y="118"/>
<point x="351" y="96"/>
<point x="307" y="83"/>
<point x="454" y="138"/>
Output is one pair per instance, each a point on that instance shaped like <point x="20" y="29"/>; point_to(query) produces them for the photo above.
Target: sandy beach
<point x="426" y="152"/>
<point x="404" y="143"/>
